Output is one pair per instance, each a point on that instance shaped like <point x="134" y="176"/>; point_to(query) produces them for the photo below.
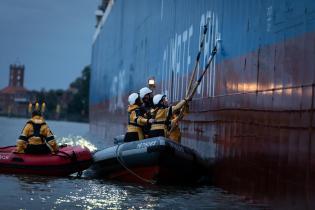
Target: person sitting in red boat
<point x="36" y="137"/>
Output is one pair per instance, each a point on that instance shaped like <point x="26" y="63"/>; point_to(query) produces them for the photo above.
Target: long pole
<point x="201" y="47"/>
<point x="197" y="83"/>
<point x="193" y="89"/>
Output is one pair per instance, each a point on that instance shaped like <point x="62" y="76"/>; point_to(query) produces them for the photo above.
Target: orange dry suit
<point x="36" y="138"/>
<point x="163" y="116"/>
<point x="175" y="135"/>
<point x="146" y="113"/>
<point x="136" y="121"/>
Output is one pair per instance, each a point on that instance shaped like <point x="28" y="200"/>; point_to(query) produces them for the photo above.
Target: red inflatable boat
<point x="68" y="160"/>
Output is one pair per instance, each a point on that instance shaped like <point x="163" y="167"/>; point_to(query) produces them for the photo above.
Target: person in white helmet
<point x="163" y="114"/>
<point x="146" y="95"/>
<point x="136" y="120"/>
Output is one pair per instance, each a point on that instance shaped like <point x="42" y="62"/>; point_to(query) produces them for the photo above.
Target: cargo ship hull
<point x="253" y="113"/>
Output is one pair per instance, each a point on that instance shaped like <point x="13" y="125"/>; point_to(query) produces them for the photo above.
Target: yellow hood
<point x="37" y="119"/>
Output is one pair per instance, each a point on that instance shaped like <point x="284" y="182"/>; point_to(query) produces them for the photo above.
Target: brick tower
<point x="14" y="98"/>
<point x="16" y="76"/>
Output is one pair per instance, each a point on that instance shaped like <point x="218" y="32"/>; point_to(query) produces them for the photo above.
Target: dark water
<point x="38" y="192"/>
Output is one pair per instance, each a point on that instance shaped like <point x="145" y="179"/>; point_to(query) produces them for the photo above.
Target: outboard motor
<point x="119" y="139"/>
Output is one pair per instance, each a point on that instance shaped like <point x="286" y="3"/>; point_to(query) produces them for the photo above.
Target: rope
<point x="73" y="159"/>
<point x="66" y="155"/>
<point x="120" y="160"/>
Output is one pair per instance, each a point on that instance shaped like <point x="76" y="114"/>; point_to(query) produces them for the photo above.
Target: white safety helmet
<point x="132" y="98"/>
<point x="157" y="98"/>
<point x="144" y="91"/>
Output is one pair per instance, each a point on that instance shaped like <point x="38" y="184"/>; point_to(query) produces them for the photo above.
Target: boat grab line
<point x="120" y="160"/>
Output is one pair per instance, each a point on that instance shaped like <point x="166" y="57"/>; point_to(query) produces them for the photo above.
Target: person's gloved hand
<point x="174" y="123"/>
<point x="53" y="145"/>
<point x="20" y="146"/>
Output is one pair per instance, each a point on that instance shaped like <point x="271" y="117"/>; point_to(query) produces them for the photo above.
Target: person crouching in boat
<point x="136" y="120"/>
<point x="36" y="137"/>
<point x="163" y="114"/>
<point x="175" y="134"/>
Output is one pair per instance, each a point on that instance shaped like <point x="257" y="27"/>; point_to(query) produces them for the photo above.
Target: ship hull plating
<point x="254" y="112"/>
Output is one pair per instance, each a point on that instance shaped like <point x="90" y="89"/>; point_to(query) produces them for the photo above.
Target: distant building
<point x="14" y="98"/>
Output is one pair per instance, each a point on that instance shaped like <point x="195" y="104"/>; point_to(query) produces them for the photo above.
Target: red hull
<point x="69" y="160"/>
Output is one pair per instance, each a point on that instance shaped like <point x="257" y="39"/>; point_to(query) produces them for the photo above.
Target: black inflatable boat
<point x="154" y="160"/>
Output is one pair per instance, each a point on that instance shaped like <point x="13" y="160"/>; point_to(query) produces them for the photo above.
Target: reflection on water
<point x="96" y="195"/>
<point x="39" y="192"/>
<point x="84" y="193"/>
<point x="36" y="192"/>
<point x="76" y="140"/>
<point x="62" y="193"/>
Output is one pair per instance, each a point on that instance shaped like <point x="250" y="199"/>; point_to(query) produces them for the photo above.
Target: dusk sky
<point x="52" y="39"/>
